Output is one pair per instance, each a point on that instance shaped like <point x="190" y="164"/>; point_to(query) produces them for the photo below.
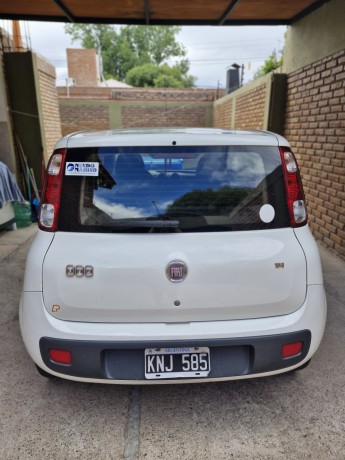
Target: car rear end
<point x="182" y="256"/>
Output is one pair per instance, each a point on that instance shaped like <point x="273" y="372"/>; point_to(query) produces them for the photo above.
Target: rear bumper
<point x="113" y="353"/>
<point x="125" y="361"/>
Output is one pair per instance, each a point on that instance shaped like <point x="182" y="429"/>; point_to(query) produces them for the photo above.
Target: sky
<point x="210" y="50"/>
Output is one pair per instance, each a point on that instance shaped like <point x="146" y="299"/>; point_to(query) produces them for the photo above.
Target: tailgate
<point x="231" y="275"/>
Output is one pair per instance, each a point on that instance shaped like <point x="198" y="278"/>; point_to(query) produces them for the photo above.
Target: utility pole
<point x="17" y="38"/>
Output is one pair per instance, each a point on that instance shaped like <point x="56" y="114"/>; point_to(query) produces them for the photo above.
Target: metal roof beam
<point x="146" y="18"/>
<point x="228" y="11"/>
<point x="147" y="11"/>
<point x="65" y="10"/>
<point x="308" y="10"/>
<point x="141" y="21"/>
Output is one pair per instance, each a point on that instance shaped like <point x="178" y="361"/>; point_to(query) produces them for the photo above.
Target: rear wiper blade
<point x="147" y="223"/>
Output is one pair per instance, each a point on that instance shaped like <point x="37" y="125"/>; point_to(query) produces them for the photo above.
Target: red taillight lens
<point x="60" y="356"/>
<point x="292" y="349"/>
<point x="294" y="189"/>
<point x="50" y="201"/>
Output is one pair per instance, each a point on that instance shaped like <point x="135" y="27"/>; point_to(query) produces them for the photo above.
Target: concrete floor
<point x="292" y="416"/>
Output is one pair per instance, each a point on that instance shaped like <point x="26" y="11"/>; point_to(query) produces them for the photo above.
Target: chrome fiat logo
<point x="176" y="271"/>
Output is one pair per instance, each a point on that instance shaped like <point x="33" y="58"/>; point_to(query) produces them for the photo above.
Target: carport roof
<point x="165" y="12"/>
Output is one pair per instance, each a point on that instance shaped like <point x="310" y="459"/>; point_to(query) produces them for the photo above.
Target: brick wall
<point x="245" y="108"/>
<point x="165" y="94"/>
<point x="143" y="116"/>
<point x="222" y="115"/>
<point x="82" y="66"/>
<point x="141" y="94"/>
<point x="315" y="127"/>
<point x="49" y="104"/>
<point x="108" y="108"/>
<point x="250" y="109"/>
<point x="81" y="117"/>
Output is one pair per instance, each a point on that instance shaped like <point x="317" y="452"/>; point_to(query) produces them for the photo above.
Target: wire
<point x="197" y="61"/>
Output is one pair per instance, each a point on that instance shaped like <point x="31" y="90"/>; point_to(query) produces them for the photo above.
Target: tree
<point x="162" y="76"/>
<point x="272" y="62"/>
<point x="131" y="47"/>
<point x="209" y="202"/>
<point x="153" y="44"/>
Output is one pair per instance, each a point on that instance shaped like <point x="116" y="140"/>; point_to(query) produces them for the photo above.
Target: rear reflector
<point x="292" y="349"/>
<point x="60" y="356"/>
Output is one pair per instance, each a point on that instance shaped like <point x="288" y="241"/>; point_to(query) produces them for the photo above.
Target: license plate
<point x="170" y="363"/>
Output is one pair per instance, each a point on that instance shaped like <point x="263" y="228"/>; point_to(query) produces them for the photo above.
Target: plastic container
<point x="35" y="209"/>
<point x="22" y="213"/>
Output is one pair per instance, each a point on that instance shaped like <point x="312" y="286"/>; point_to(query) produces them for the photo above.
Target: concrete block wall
<point x="315" y="127"/>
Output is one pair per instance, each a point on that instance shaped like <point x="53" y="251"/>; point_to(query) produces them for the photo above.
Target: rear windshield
<point x="173" y="189"/>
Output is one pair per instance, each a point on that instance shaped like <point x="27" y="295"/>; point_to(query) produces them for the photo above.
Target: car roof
<point x="169" y="136"/>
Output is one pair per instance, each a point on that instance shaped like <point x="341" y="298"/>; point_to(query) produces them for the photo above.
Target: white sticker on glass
<point x="267" y="213"/>
<point x="80" y="168"/>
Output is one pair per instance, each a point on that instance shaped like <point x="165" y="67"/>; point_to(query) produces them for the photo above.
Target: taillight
<point x="294" y="189"/>
<point x="50" y="200"/>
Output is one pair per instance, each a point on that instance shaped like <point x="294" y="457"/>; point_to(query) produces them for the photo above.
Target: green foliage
<point x="154" y="44"/>
<point x="210" y="202"/>
<point x="272" y="62"/>
<point x="135" y="46"/>
<point x="158" y="76"/>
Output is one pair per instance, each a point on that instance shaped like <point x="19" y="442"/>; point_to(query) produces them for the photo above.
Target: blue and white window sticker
<point x="79" y="168"/>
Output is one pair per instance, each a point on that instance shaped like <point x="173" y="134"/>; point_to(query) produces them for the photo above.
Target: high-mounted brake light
<point x="50" y="201"/>
<point x="294" y="189"/>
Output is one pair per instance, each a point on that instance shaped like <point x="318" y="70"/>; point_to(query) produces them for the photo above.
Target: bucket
<point x="22" y="213"/>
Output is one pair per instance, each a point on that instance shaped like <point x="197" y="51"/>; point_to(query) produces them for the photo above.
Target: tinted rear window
<point x="180" y="189"/>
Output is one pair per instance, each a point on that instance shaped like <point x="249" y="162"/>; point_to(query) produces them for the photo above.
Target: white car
<point x="172" y="256"/>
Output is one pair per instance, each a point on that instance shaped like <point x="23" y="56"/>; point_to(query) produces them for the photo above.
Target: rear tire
<point x="293" y="371"/>
<point x="46" y="374"/>
<point x="303" y="365"/>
